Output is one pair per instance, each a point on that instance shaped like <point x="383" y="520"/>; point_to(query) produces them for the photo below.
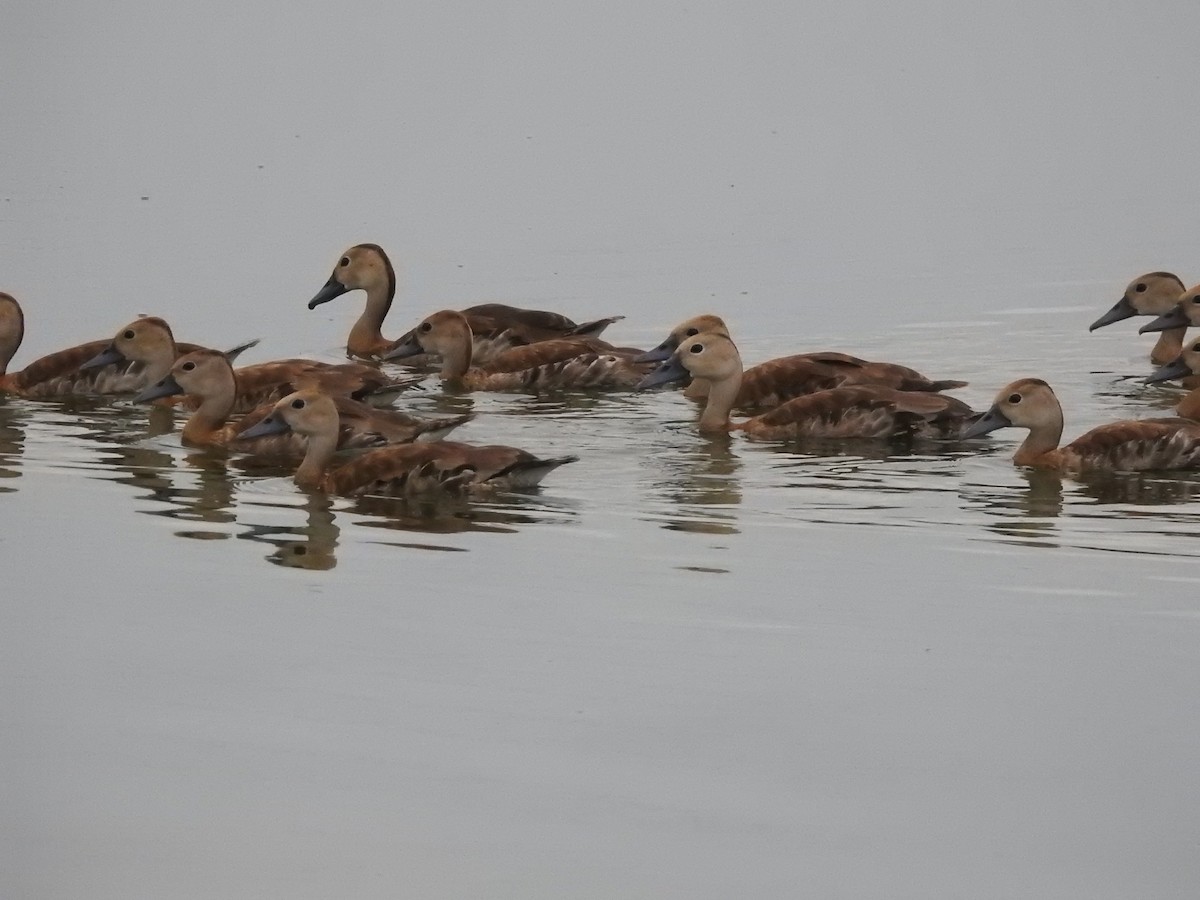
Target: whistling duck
<point x="1130" y="445"/>
<point x="1186" y="368"/>
<point x="559" y="364"/>
<point x="402" y="469"/>
<point x="769" y="384"/>
<point x="208" y="377"/>
<point x="1152" y="294"/>
<point x="63" y="372"/>
<point x="495" y="326"/>
<point x="858" y="411"/>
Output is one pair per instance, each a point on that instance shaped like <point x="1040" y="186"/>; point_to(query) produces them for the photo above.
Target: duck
<point x="1185" y="314"/>
<point x="1152" y="294"/>
<point x="495" y="326"/>
<point x="210" y="379"/>
<point x="1186" y="368"/>
<point x="1129" y="445"/>
<point x="397" y="470"/>
<point x="553" y="364"/>
<point x="852" y="411"/>
<point x="61" y="373"/>
<point x="770" y="383"/>
<point x="149" y="341"/>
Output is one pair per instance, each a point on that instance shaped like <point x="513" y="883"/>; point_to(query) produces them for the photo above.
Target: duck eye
<point x="297" y="404"/>
<point x="188" y="366"/>
<point x="696" y="348"/>
<point x="345" y="261"/>
<point x="426" y="327"/>
<point x="1014" y="398"/>
<point x="128" y="335"/>
<point x="692" y="332"/>
<point x="1140" y="288"/>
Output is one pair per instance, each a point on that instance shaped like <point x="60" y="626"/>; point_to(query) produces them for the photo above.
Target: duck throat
<point x="457" y="353"/>
<point x="1168" y="346"/>
<point x="722" y="395"/>
<point x="318" y="453"/>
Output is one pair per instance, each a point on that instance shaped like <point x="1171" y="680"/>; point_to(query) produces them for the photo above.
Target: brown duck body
<point x="1152" y="294"/>
<point x="1130" y="445"/>
<point x="558" y="364"/>
<point x="496" y="326"/>
<point x="851" y="411"/>
<point x="64" y="372"/>
<point x="776" y="381"/>
<point x="861" y="411"/>
<point x="207" y="377"/>
<point x="397" y="470"/>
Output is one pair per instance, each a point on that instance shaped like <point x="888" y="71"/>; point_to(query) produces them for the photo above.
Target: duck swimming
<point x="1130" y="445"/>
<point x="1185" y="367"/>
<point x="1152" y="294"/>
<point x="62" y="373"/>
<point x="494" y="326"/>
<point x="208" y="377"/>
<point x="149" y="342"/>
<point x="397" y="470"/>
<point x="858" y="411"/>
<point x="770" y="383"/>
<point x="554" y="364"/>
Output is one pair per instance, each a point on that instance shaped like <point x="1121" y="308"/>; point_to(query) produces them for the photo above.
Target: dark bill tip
<point x="333" y="288"/>
<point x="105" y="357"/>
<point x="667" y="373"/>
<point x="1176" y="368"/>
<point x="1174" y="319"/>
<point x="990" y="421"/>
<point x="168" y="387"/>
<point x="406" y="348"/>
<point x="272" y="424"/>
<point x="1122" y="309"/>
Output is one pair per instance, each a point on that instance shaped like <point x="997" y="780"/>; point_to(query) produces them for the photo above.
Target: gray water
<point x="688" y="666"/>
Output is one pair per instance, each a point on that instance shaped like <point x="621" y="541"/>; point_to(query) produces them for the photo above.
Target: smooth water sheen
<point x="687" y="666"/>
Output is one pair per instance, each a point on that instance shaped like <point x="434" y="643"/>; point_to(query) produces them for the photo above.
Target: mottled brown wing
<point x="57" y="374"/>
<point x="778" y="380"/>
<point x="1136" y="445"/>
<point x="538" y="354"/>
<point x="500" y="315"/>
<point x="388" y="470"/>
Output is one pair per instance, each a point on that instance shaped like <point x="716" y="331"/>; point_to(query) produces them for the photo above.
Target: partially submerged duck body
<point x="1129" y="445"/>
<point x="1152" y="294"/>
<point x="1186" y="368"/>
<point x="78" y="370"/>
<point x="853" y="411"/>
<point x="495" y="326"/>
<point x="558" y="364"/>
<point x="208" y="378"/>
<point x="149" y="343"/>
<point x="775" y="381"/>
<point x="395" y="470"/>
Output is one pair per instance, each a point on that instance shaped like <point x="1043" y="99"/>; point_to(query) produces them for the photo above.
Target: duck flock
<point x="337" y="423"/>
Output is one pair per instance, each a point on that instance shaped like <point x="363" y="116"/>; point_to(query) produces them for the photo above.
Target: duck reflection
<point x="701" y="480"/>
<point x="311" y="547"/>
<point x="12" y="442"/>
<point x="1029" y="510"/>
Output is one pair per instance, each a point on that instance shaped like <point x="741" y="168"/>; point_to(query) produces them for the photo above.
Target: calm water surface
<point x="688" y="666"/>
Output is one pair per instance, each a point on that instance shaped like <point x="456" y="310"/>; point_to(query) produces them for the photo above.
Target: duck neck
<point x="1168" y="346"/>
<point x="1189" y="406"/>
<point x="366" y="336"/>
<point x="212" y="413"/>
<point x="721" y="397"/>
<point x="319" y="451"/>
<point x="12" y="330"/>
<point x="1041" y="442"/>
<point x="457" y="353"/>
